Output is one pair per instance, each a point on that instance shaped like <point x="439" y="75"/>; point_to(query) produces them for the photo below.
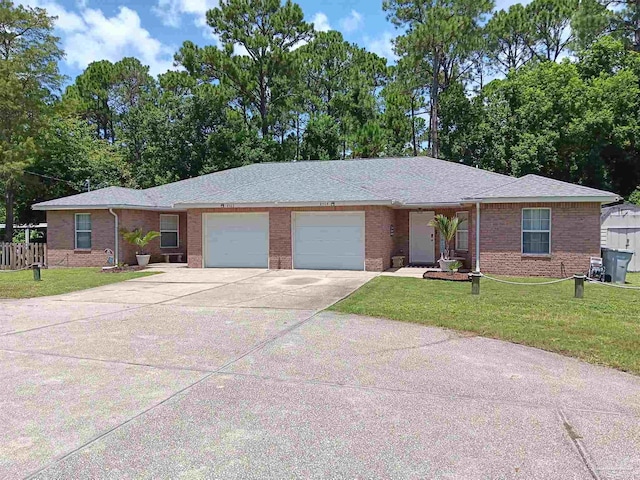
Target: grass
<point x="602" y="328"/>
<point x="60" y="280"/>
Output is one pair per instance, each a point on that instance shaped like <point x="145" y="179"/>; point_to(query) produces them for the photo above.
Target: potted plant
<point x="455" y="266"/>
<point x="447" y="227"/>
<point x="140" y="240"/>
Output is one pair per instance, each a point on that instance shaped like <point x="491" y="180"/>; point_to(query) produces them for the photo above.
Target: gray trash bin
<point x="615" y="264"/>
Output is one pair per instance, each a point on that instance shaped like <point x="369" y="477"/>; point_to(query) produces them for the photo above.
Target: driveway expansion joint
<point x="104" y="360"/>
<point x="6" y="334"/>
<point x="181" y="392"/>
<point x="576" y="439"/>
<point x="373" y="388"/>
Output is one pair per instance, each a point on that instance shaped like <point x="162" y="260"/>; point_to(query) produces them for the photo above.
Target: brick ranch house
<point x="351" y="214"/>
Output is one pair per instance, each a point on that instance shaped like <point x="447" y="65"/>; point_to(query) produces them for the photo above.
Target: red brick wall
<point x="61" y="250"/>
<point x="280" y="238"/>
<point x="378" y="242"/>
<point x="150" y="220"/>
<point x="575" y="236"/>
<point x="61" y="237"/>
<point x="401" y="242"/>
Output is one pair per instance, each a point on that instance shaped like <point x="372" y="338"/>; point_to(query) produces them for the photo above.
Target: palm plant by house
<point x="447" y="227"/>
<point x="140" y="240"/>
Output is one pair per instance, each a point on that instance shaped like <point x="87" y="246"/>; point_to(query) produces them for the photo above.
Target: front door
<point x="421" y="238"/>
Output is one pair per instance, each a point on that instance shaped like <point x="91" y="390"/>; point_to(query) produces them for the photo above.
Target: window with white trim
<point x="83" y="231"/>
<point x="536" y="231"/>
<point x="169" y="226"/>
<point x="462" y="234"/>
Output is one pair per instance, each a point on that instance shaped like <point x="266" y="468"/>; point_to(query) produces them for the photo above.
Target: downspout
<point x="115" y="236"/>
<point x="478" y="237"/>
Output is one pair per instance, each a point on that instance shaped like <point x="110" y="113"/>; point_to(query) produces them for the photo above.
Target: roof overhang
<point x="101" y="207"/>
<point x="424" y="206"/>
<point x="185" y="206"/>
<point x="585" y="199"/>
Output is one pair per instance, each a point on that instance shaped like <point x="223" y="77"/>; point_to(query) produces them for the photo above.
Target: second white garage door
<point x="328" y="240"/>
<point x="236" y="240"/>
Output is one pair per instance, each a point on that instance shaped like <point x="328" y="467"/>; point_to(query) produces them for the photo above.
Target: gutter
<point x="557" y="199"/>
<point x="102" y="207"/>
<point x="284" y="204"/>
<point x="115" y="236"/>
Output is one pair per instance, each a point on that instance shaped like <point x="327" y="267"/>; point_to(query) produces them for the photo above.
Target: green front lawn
<point x="60" y="280"/>
<point x="602" y="328"/>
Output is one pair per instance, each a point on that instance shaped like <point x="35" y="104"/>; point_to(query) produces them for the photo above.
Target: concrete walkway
<point x="109" y="384"/>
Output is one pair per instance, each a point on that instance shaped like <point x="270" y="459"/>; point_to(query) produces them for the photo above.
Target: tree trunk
<point x="435" y="87"/>
<point x="297" y="137"/>
<point x="413" y="128"/>
<point x="636" y="30"/>
<point x="8" y="199"/>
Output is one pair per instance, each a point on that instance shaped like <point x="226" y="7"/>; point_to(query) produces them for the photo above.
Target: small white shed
<point x="620" y="228"/>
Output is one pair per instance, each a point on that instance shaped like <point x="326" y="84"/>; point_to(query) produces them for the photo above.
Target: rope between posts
<point x="526" y="283"/>
<point x="628" y="287"/>
<point x="16" y="270"/>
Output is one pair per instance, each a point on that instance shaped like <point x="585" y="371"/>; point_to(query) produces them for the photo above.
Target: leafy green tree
<point x="444" y="34"/>
<point x="617" y="18"/>
<point x="573" y="121"/>
<point x="112" y="98"/>
<point x="508" y="39"/>
<point x="68" y="159"/>
<point x="404" y="102"/>
<point x="191" y="130"/>
<point x="28" y="78"/>
<point x="341" y="80"/>
<point x="321" y="139"/>
<point x="548" y="22"/>
<point x="265" y="31"/>
<point x="90" y="94"/>
<point x="369" y="140"/>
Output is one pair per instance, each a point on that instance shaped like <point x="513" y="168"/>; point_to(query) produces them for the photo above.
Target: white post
<point x="27" y="236"/>
<point x="478" y="237"/>
<point x="115" y="235"/>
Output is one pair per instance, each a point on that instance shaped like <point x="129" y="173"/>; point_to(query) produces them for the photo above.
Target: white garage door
<point x="236" y="240"/>
<point x="328" y="240"/>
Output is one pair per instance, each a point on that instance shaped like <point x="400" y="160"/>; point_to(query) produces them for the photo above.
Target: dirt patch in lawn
<point x="450" y="276"/>
<point x="130" y="268"/>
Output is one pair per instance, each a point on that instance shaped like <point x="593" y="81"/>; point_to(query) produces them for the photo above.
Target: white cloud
<point x="240" y="50"/>
<point x="89" y="35"/>
<point x="505" y="4"/>
<point x="320" y="22"/>
<point x="171" y="12"/>
<point x="352" y="22"/>
<point x="382" y="45"/>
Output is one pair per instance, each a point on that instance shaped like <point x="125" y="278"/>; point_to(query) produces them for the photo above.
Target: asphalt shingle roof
<point x="406" y="181"/>
<point x="537" y="186"/>
<point x="109" y="196"/>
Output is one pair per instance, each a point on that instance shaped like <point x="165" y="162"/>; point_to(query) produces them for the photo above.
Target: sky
<point x="153" y="30"/>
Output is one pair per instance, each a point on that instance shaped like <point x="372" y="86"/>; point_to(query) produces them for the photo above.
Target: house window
<point x="536" y="231"/>
<point x="83" y="231"/>
<point x="169" y="225"/>
<point x="462" y="234"/>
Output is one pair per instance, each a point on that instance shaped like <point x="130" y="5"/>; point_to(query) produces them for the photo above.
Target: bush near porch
<point x="602" y="328"/>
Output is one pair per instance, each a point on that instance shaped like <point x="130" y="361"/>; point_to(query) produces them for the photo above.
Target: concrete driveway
<point x="235" y="374"/>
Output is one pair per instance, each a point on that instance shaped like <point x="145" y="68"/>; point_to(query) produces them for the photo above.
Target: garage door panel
<point x="237" y="240"/>
<point x="329" y="240"/>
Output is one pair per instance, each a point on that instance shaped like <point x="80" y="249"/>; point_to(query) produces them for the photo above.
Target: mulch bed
<point x="128" y="268"/>
<point x="452" y="277"/>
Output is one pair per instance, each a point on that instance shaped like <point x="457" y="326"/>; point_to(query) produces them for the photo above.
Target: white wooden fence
<point x="18" y="256"/>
